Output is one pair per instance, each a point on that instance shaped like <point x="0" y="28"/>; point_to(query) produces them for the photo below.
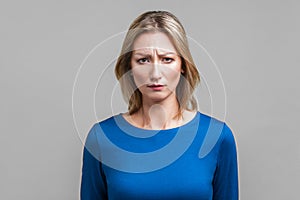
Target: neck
<point x="159" y="115"/>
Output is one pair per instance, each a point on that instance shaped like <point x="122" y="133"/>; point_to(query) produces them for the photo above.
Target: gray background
<point x="254" y="43"/>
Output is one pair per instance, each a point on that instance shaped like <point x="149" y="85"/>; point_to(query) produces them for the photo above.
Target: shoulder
<point x="95" y="135"/>
<point x="213" y="122"/>
<point x="218" y="134"/>
<point x="106" y="122"/>
<point x="98" y="126"/>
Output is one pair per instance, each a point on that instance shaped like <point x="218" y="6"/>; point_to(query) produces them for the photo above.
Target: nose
<point x="155" y="73"/>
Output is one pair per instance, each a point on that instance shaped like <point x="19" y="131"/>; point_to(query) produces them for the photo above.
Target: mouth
<point x="156" y="87"/>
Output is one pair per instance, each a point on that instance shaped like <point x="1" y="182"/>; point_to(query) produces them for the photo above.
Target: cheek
<point x="172" y="74"/>
<point x="174" y="80"/>
<point x="139" y="76"/>
<point x="138" y="73"/>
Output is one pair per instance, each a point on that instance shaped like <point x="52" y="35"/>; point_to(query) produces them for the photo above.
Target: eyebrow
<point x="149" y="54"/>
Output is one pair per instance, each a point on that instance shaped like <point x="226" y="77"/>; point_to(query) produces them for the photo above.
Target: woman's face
<point x="156" y="66"/>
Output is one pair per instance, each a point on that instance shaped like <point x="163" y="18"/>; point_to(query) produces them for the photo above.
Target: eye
<point x="143" y="60"/>
<point x="168" y="60"/>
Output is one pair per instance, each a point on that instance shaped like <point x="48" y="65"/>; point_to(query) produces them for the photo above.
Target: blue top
<point x="197" y="160"/>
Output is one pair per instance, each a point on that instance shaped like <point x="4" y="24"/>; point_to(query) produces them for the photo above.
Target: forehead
<point x="147" y="42"/>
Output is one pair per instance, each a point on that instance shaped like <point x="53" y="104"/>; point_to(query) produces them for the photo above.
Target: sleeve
<point x="225" y="183"/>
<point x="93" y="184"/>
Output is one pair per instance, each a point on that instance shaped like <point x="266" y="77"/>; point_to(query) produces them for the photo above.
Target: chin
<point x="158" y="97"/>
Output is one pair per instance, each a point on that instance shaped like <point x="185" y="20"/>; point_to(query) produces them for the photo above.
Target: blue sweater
<point x="197" y="160"/>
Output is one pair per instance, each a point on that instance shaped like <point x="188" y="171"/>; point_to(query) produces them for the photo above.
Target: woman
<point x="155" y="151"/>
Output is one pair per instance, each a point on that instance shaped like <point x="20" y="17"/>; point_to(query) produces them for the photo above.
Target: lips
<point x="156" y="87"/>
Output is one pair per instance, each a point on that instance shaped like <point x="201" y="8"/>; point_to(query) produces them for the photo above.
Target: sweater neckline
<point x="135" y="131"/>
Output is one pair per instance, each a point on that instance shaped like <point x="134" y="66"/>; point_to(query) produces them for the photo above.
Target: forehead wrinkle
<point x="151" y="51"/>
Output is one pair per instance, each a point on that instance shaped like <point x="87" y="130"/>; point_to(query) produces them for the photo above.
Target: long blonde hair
<point x="167" y="23"/>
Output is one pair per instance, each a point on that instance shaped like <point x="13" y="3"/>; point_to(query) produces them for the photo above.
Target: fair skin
<point x="156" y="70"/>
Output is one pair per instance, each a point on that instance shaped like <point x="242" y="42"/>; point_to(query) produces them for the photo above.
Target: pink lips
<point x="156" y="87"/>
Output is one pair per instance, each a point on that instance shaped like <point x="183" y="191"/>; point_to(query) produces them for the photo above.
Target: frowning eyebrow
<point x="149" y="54"/>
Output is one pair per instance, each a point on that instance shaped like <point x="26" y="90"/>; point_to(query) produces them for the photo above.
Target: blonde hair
<point x="153" y="21"/>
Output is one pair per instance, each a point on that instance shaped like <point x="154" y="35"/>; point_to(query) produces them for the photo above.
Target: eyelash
<point x="170" y="60"/>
